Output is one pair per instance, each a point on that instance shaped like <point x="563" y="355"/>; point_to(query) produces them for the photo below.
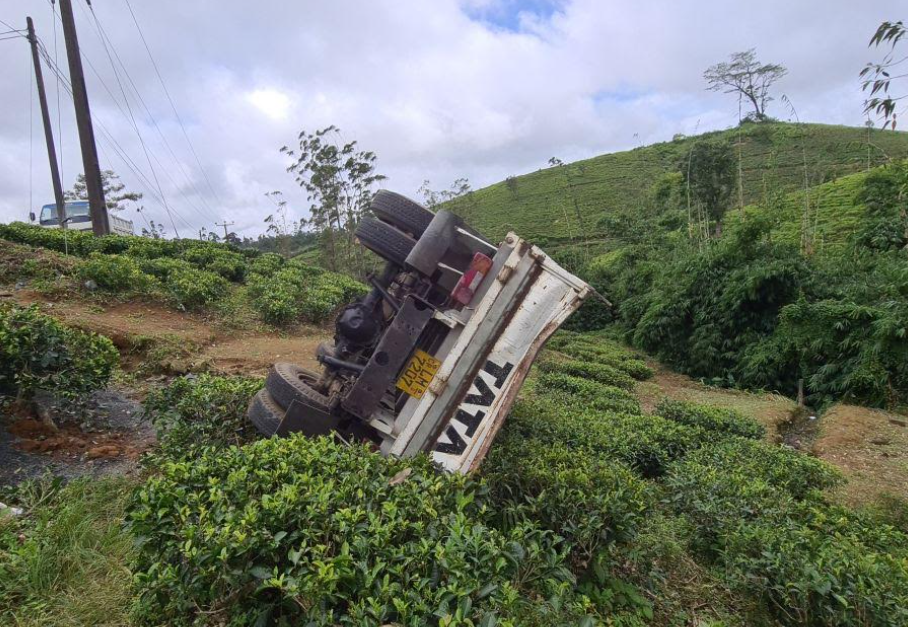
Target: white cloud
<point x="272" y="102"/>
<point x="439" y="90"/>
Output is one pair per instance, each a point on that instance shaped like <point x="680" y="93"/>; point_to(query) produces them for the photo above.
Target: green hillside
<point x="833" y="208"/>
<point x="561" y="204"/>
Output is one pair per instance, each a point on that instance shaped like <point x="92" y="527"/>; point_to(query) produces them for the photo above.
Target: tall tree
<point x="746" y="77"/>
<point x="877" y="77"/>
<point x="116" y="195"/>
<point x="339" y="179"/>
<point x="710" y="174"/>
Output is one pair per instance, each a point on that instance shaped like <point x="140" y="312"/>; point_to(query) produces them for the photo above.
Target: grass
<point x="65" y="561"/>
<point x="540" y="205"/>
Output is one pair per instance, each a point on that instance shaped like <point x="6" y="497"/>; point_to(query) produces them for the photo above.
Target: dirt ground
<point x="146" y="331"/>
<point x="771" y="410"/>
<point x="106" y="437"/>
<point x="870" y="446"/>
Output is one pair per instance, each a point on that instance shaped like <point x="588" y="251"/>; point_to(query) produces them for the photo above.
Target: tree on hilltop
<point x="748" y="78"/>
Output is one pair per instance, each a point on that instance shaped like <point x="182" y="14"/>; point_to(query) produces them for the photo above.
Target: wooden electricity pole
<point x="224" y="224"/>
<point x="48" y="129"/>
<point x="100" y="222"/>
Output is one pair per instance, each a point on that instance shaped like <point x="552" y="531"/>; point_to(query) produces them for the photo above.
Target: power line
<point x="107" y="136"/>
<point x="135" y="125"/>
<point x="170" y="100"/>
<point x="206" y="208"/>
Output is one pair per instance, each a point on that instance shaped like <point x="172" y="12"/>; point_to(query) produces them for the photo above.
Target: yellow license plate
<point x="419" y="374"/>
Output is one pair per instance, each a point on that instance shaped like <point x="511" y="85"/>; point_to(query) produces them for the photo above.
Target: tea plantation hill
<point x="541" y="205"/>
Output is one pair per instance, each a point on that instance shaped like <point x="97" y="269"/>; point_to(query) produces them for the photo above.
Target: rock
<point x="9" y="510"/>
<point x="90" y="285"/>
<point x="21" y="285"/>
<point x="880" y="441"/>
<point x="898" y="423"/>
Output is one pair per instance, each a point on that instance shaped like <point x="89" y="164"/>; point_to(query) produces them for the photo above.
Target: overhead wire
<point x="135" y="125"/>
<point x="106" y="135"/>
<point x="170" y="100"/>
<point x="206" y="208"/>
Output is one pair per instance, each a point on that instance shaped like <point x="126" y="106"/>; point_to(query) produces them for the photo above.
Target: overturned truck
<point x="432" y="358"/>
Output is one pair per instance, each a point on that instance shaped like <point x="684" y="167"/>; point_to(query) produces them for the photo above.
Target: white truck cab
<point x="78" y="218"/>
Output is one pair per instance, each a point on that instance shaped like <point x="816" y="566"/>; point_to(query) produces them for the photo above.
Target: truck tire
<point x="288" y="382"/>
<point x="264" y="413"/>
<point x="384" y="240"/>
<point x="397" y="210"/>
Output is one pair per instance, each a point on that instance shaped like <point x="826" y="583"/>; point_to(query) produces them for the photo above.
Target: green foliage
<point x="38" y="352"/>
<point x="303" y="531"/>
<point x="590" y="501"/>
<point x="217" y="259"/>
<point x="711" y="418"/>
<point x="619" y="183"/>
<point x="710" y="173"/>
<point x="201" y="411"/>
<point x="63" y="562"/>
<point x="756" y="513"/>
<point x="587" y="349"/>
<point x="266" y="264"/>
<point x="600" y="373"/>
<point x="195" y="289"/>
<point x="116" y="273"/>
<point x="294" y="294"/>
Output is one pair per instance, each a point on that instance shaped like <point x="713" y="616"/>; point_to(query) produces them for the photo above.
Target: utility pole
<point x="100" y="222"/>
<point x="48" y="129"/>
<point x="201" y="239"/>
<point x="224" y="224"/>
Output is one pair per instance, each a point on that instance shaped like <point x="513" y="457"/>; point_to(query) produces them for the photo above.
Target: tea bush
<point x="569" y="391"/>
<point x="756" y="511"/>
<point x="600" y="373"/>
<point x="292" y="295"/>
<point x="161" y="267"/>
<point x="711" y="418"/>
<point x="309" y="531"/>
<point x="647" y="444"/>
<point x="266" y="264"/>
<point x="116" y="273"/>
<point x="195" y="289"/>
<point x="590" y="501"/>
<point x="201" y="411"/>
<point x="38" y="352"/>
<point x="215" y="258"/>
<point x="589" y="349"/>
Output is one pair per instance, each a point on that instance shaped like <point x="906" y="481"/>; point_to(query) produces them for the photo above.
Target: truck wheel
<point x="287" y="382"/>
<point x="264" y="413"/>
<point x="400" y="211"/>
<point x="384" y="240"/>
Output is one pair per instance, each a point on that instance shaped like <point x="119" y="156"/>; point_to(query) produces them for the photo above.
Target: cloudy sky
<point x="439" y="89"/>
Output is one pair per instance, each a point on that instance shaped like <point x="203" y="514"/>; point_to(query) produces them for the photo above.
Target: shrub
<point x="214" y="258"/>
<point x="647" y="444"/>
<point x="600" y="373"/>
<point x="711" y="418"/>
<point x="201" y="411"/>
<point x="195" y="289"/>
<point x="116" y="273"/>
<point x="291" y="295"/>
<point x="590" y="501"/>
<point x="161" y="267"/>
<point x="310" y="531"/>
<point x="37" y="351"/>
<point x="266" y="264"/>
<point x="598" y="351"/>
<point x="570" y="391"/>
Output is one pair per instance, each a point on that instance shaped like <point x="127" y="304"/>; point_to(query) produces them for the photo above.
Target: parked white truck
<point x="78" y="218"/>
<point x="432" y="359"/>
